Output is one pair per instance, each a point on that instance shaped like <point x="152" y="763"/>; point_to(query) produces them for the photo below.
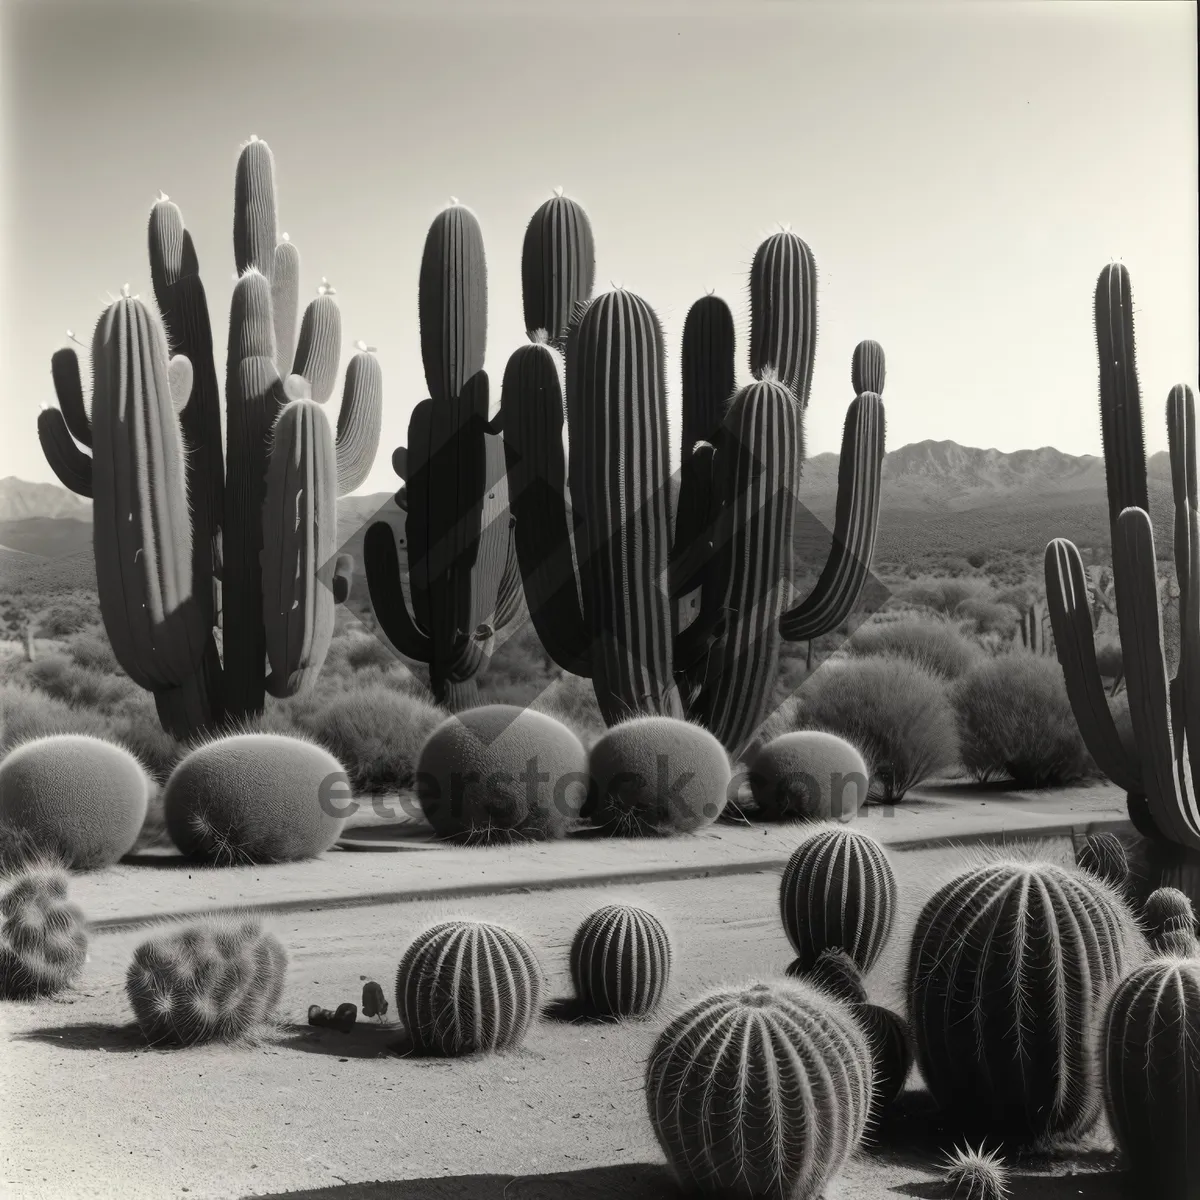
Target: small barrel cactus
<point x="1010" y="964"/>
<point x="256" y="798"/>
<point x="467" y="987"/>
<point x="219" y="979"/>
<point x="1150" y="1058"/>
<point x="838" y="892"/>
<point x="760" y="1091"/>
<point x="620" y="961"/>
<point x="500" y="774"/>
<point x="657" y="775"/>
<point x="810" y="775"/>
<point x="975" y="1174"/>
<point x="834" y="972"/>
<point x="77" y="798"/>
<point x="43" y="938"/>
<point x="1170" y="922"/>
<point x="1104" y="855"/>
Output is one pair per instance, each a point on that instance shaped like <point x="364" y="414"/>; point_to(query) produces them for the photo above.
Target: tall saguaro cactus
<point x="185" y="531"/>
<point x="455" y="500"/>
<point x="1162" y="776"/>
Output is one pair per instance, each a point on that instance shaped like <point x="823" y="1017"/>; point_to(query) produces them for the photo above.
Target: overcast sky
<point x="962" y="172"/>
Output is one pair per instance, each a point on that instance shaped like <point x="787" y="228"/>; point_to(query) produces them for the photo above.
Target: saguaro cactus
<point x="179" y="525"/>
<point x="455" y="501"/>
<point x="1161" y="779"/>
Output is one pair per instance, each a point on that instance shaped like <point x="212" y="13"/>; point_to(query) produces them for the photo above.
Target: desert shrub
<point x="377" y="733"/>
<point x="1014" y="719"/>
<point x="944" y="596"/>
<point x="934" y="645"/>
<point x="65" y="618"/>
<point x="988" y="616"/>
<point x="92" y="651"/>
<point x="976" y="559"/>
<point x="571" y="700"/>
<point x="26" y="713"/>
<point x="896" y="712"/>
<point x="59" y="676"/>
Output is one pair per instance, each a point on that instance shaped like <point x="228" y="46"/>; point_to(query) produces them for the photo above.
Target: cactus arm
<point x="359" y="421"/>
<point x="707" y="360"/>
<point x="1067" y="597"/>
<point x="319" y="346"/>
<point x="783" y="313"/>
<point x="72" y="465"/>
<point x="285" y="302"/>
<point x="64" y="369"/>
<point x="343" y="578"/>
<point x="1120" y="402"/>
<point x="510" y="595"/>
<point x="254" y="216"/>
<point x="558" y="269"/>
<point x="179" y="380"/>
<point x="531" y="402"/>
<point x="868" y="368"/>
<point x="855" y="525"/>
<point x="1171" y="805"/>
<point x="382" y="564"/>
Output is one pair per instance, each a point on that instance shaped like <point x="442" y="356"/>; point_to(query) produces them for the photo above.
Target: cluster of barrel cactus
<point x="190" y="535"/>
<point x="43" y="936"/>
<point x="1158" y="773"/>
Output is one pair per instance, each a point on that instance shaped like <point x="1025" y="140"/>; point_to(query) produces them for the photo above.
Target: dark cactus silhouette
<point x="456" y="528"/>
<point x="1010" y="965"/>
<point x="620" y="961"/>
<point x="760" y="1091"/>
<point x="558" y="269"/>
<point x="1158" y="776"/>
<point x="467" y="987"/>
<point x="178" y="522"/>
<point x="43" y="937"/>
<point x="838" y="892"/>
<point x="1150" y="1058"/>
<point x="220" y="979"/>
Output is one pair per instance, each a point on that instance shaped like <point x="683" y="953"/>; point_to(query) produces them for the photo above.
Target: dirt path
<point x="87" y="1111"/>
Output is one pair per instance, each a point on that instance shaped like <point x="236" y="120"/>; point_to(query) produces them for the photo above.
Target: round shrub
<point x="657" y="775"/>
<point x="498" y="773"/>
<point x="256" y="798"/>
<point x="935" y="645"/>
<point x="1014" y="720"/>
<point x="377" y="733"/>
<point x="810" y="775"/>
<point x="896" y="712"/>
<point x="77" y="797"/>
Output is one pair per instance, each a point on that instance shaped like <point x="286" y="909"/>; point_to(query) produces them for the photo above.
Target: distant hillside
<point x="21" y="501"/>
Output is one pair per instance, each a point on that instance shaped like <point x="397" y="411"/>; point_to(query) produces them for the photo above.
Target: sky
<point x="962" y="171"/>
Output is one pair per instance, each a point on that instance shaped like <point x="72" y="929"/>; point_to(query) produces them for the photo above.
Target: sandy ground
<point x="87" y="1111"/>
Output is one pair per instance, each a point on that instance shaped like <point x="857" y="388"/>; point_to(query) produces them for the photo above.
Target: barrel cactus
<point x="657" y="775"/>
<point x="975" y="1174"/>
<point x="1150" y="1058"/>
<point x="220" y="979"/>
<point x="501" y="774"/>
<point x="256" y="798"/>
<point x="762" y="1090"/>
<point x="809" y="774"/>
<point x="620" y="961"/>
<point x="175" y="510"/>
<point x="835" y="972"/>
<point x="1104" y="855"/>
<point x="43" y="938"/>
<point x="78" y="798"/>
<point x="1010" y="964"/>
<point x="468" y="987"/>
<point x="838" y="892"/>
<point x="1170" y="922"/>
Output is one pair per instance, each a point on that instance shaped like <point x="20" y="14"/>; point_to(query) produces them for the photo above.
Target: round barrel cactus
<point x="256" y="798"/>
<point x="809" y="774"/>
<point x="1150" y="1058"/>
<point x="657" y="775"/>
<point x="620" y="961"/>
<point x="1170" y="922"/>
<point x="219" y="979"/>
<point x="761" y="1091"/>
<point x="467" y="987"/>
<point x="78" y="798"/>
<point x="1104" y="855"/>
<point x="1010" y="964"/>
<point x="838" y="892"/>
<point x="500" y="774"/>
<point x="43" y="938"/>
<point x="834" y="972"/>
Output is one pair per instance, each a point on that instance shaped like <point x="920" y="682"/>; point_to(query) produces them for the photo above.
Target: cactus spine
<point x="760" y="1091"/>
<point x="1161" y="777"/>
<point x="838" y="892"/>
<point x="43" y="938"/>
<point x="1151" y="1066"/>
<point x="620" y="961"/>
<point x="455" y="503"/>
<point x="1103" y="854"/>
<point x="1010" y="964"/>
<point x="177" y="518"/>
<point x="466" y="987"/>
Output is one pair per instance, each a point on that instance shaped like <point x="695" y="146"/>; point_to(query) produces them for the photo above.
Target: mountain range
<point x="939" y="499"/>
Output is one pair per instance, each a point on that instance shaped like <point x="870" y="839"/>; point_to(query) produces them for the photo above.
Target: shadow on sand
<point x="90" y="1035"/>
<point x="1105" y="1186"/>
<point x="366" y="1039"/>
<point x="639" y="1182"/>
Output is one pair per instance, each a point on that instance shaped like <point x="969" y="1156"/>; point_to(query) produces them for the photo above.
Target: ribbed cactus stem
<point x="868" y="368"/>
<point x="360" y="419"/>
<point x="1104" y="855"/>
<point x="319" y="347"/>
<point x="558" y="268"/>
<point x="254" y="236"/>
<point x="620" y="961"/>
<point x="783" y="312"/>
<point x="285" y="302"/>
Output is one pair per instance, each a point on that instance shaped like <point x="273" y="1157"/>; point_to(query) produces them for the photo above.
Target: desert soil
<point x="88" y="1111"/>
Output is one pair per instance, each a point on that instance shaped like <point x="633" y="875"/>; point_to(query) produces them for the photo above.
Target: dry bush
<point x="571" y="700"/>
<point x="935" y="645"/>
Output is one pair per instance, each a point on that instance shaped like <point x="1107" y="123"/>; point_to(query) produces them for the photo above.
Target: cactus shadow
<point x="89" y="1035"/>
<point x="639" y="1181"/>
<point x="367" y="1039"/>
<point x="570" y="1010"/>
<point x="1102" y="1186"/>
